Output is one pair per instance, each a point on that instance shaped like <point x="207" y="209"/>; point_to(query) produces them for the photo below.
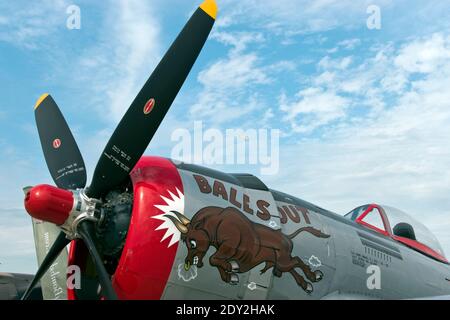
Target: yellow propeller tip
<point x="42" y="98"/>
<point x="210" y="7"/>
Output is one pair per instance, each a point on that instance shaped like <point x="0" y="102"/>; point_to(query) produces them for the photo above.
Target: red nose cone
<point x="49" y="204"/>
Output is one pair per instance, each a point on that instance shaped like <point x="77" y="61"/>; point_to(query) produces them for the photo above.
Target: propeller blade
<point x="61" y="152"/>
<point x="60" y="243"/>
<point x="136" y="129"/>
<point x="103" y="276"/>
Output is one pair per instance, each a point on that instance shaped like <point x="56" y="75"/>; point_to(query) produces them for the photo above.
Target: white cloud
<point x="338" y="64"/>
<point x="227" y="83"/>
<point x="123" y="58"/>
<point x="233" y="73"/>
<point x="231" y="86"/>
<point x="350" y="44"/>
<point x="345" y="86"/>
<point x="315" y="106"/>
<point x="239" y="40"/>
<point x="298" y="16"/>
<point x="25" y="25"/>
<point x="424" y="56"/>
<point x="16" y="237"/>
<point x="18" y="170"/>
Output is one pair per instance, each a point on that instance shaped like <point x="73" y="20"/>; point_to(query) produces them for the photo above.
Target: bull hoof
<point x="319" y="275"/>
<point x="234" y="279"/>
<point x="309" y="288"/>
<point x="234" y="266"/>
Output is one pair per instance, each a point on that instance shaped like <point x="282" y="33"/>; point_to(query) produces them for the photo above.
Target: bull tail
<point x="311" y="230"/>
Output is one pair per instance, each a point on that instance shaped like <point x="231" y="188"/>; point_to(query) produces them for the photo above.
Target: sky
<point x="363" y="113"/>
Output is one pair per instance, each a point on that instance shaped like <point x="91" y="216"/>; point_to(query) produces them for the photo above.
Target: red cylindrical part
<point x="49" y="204"/>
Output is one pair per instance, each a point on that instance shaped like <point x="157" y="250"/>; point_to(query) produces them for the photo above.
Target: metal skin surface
<point x="254" y="244"/>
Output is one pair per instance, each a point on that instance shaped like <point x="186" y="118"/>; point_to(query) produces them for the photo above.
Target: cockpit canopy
<point x="399" y="226"/>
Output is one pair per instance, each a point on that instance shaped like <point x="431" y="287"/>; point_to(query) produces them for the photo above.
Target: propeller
<point x="75" y="209"/>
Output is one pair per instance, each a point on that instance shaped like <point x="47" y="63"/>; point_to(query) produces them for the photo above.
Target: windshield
<point x="423" y="235"/>
<point x="355" y="213"/>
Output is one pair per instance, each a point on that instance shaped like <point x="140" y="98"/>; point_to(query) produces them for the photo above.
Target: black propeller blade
<point x="60" y="243"/>
<point x="85" y="230"/>
<point x="137" y="127"/>
<point x="61" y="152"/>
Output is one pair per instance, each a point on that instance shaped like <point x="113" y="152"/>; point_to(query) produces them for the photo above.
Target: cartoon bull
<point x="241" y="245"/>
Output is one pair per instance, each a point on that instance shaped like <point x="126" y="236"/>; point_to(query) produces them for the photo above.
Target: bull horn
<point x="180" y="226"/>
<point x="182" y="218"/>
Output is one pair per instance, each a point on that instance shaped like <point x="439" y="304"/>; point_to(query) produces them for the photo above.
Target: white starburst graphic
<point x="174" y="204"/>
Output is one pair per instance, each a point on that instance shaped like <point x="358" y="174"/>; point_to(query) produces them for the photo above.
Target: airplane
<point x="154" y="228"/>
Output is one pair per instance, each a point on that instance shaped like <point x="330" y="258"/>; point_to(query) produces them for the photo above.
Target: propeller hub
<point x="50" y="204"/>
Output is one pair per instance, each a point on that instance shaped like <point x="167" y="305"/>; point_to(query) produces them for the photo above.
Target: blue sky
<point x="363" y="113"/>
